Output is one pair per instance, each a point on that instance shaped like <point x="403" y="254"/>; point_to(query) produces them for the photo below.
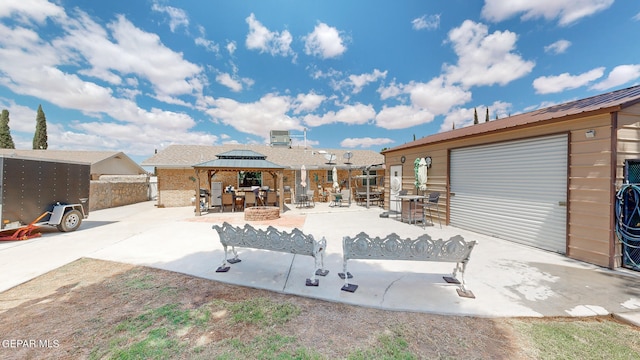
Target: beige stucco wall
<point x="113" y="191"/>
<point x="590" y="174"/>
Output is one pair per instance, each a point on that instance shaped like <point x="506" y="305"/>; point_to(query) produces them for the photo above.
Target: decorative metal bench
<point x="295" y="242"/>
<point x="423" y="248"/>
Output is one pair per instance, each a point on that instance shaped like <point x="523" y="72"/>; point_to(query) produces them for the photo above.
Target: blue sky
<point x="136" y="76"/>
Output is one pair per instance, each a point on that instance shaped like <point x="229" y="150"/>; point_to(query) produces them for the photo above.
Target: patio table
<point x="411" y="200"/>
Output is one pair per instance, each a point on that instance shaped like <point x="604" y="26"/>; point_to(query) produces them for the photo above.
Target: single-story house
<point x="116" y="179"/>
<point x="546" y="178"/>
<point x="183" y="169"/>
<point x="102" y="162"/>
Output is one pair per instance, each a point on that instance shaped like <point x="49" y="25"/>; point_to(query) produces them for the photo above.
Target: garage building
<point x="546" y="178"/>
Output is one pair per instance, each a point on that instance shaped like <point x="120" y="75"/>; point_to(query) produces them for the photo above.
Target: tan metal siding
<point x="589" y="169"/>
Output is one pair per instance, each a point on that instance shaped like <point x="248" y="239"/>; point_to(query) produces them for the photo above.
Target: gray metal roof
<point x="241" y="154"/>
<point x="240" y="159"/>
<point x="240" y="164"/>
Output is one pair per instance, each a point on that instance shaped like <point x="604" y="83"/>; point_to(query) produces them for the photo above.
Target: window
<point x="330" y="176"/>
<point x="249" y="178"/>
<point x="373" y="181"/>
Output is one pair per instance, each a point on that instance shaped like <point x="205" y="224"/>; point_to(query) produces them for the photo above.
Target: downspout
<point x="612" y="190"/>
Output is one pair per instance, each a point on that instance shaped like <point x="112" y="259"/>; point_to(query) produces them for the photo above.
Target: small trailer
<point x="37" y="192"/>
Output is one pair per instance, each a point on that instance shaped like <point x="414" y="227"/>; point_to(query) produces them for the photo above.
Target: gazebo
<point x="241" y="160"/>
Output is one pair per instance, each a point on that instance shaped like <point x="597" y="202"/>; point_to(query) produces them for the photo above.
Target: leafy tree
<point x="6" y="142"/>
<point x="486" y="119"/>
<point x="40" y="137"/>
<point x="475" y="116"/>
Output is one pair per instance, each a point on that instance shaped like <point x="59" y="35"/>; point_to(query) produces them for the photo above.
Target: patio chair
<point x="272" y="198"/>
<point x="249" y="199"/>
<point x="346" y="196"/>
<point x="238" y="202"/>
<point x="287" y="194"/>
<point x="432" y="202"/>
<point x="227" y="200"/>
<point x="310" y="194"/>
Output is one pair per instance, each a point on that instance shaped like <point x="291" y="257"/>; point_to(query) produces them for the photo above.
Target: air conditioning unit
<point x="280" y="138"/>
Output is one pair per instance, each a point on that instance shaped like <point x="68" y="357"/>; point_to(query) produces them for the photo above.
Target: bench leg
<point x="462" y="291"/>
<point x="346" y="275"/>
<point x="321" y="271"/>
<point x="224" y="267"/>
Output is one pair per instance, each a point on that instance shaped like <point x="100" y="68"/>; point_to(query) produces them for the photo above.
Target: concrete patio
<point x="508" y="279"/>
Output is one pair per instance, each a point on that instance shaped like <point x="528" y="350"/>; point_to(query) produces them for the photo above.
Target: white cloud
<point x="565" y="81"/>
<point x="566" y="11"/>
<point x="558" y="47"/>
<point x="429" y="22"/>
<point x="21" y="118"/>
<point x="257" y="118"/>
<point x="26" y="10"/>
<point x="402" y="116"/>
<point x="365" y="142"/>
<point x="324" y="42"/>
<point x="307" y="102"/>
<point x="209" y="45"/>
<point x="261" y="38"/>
<point x="362" y="80"/>
<point x="393" y="90"/>
<point x="34" y="67"/>
<point x="463" y="117"/>
<point x="177" y="17"/>
<point x="167" y="71"/>
<point x="436" y="96"/>
<point x="483" y="58"/>
<point x="637" y="17"/>
<point x="620" y="75"/>
<point x="231" y="47"/>
<point x="226" y="80"/>
<point x="357" y="114"/>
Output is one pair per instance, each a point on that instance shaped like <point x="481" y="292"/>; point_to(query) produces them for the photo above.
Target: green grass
<point x="163" y="332"/>
<point x="146" y="282"/>
<point x="576" y="339"/>
<point x="389" y="346"/>
<point x="151" y="335"/>
<point x="262" y="311"/>
<point x="272" y="346"/>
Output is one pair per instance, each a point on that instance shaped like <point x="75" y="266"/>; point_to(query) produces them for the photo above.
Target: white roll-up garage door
<point x="514" y="190"/>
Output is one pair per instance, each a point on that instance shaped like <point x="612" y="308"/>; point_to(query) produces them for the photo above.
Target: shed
<point x="546" y="178"/>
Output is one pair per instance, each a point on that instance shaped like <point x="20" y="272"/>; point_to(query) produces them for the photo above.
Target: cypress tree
<point x="40" y="137"/>
<point x="475" y="116"/>
<point x="486" y="119"/>
<point x="6" y="142"/>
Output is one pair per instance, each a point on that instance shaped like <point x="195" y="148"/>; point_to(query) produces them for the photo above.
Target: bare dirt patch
<point x="99" y="309"/>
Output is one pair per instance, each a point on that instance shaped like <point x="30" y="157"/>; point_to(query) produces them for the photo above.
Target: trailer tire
<point x="71" y="221"/>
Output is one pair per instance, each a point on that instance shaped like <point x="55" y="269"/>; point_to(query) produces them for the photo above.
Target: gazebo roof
<point x="240" y="160"/>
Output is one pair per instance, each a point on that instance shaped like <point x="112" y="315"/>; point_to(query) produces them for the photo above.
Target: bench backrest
<point x="295" y="242"/>
<point x="392" y="247"/>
